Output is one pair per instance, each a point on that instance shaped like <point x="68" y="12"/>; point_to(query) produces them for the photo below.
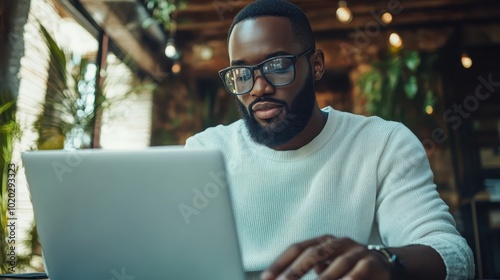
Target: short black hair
<point x="281" y="8"/>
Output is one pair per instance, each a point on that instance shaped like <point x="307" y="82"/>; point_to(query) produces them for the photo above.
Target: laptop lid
<point x="157" y="213"/>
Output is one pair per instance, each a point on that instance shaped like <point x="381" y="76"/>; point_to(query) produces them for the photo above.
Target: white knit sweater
<point x="361" y="177"/>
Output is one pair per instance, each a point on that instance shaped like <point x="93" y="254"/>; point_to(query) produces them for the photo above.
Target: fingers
<point x="320" y="267"/>
<point x="369" y="268"/>
<point x="331" y="258"/>
<point x="309" y="259"/>
<point x="299" y="258"/>
<point x="344" y="263"/>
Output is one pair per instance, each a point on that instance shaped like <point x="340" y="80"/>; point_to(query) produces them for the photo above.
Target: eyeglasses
<point x="277" y="71"/>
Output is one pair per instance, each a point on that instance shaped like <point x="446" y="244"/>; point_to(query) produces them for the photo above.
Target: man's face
<point x="273" y="115"/>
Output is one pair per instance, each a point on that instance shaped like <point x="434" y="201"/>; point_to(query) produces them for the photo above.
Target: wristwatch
<point x="398" y="267"/>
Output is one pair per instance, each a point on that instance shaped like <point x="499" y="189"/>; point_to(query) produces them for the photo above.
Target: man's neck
<point x="313" y="128"/>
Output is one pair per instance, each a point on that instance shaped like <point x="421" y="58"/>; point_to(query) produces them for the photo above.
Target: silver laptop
<point x="156" y="213"/>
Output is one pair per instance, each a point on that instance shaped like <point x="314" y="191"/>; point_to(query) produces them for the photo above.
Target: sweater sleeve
<point x="409" y="208"/>
<point x="193" y="142"/>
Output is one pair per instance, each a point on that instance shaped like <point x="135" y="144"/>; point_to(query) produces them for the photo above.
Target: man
<point x="312" y="187"/>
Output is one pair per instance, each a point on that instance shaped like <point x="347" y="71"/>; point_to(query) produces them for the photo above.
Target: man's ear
<point x="318" y="64"/>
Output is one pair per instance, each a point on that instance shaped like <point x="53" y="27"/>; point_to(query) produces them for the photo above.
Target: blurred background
<point x="127" y="74"/>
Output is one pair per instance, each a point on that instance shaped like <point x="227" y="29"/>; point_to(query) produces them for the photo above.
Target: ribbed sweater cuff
<point x="455" y="257"/>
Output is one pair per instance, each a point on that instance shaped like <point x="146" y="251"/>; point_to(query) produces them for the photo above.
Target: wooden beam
<point x="111" y="21"/>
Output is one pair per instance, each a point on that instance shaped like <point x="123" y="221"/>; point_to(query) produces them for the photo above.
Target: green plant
<point x="6" y="130"/>
<point x="400" y="85"/>
<point x="73" y="102"/>
<point x="13" y="17"/>
<point x="9" y="133"/>
<point x="163" y="11"/>
<point x="66" y="120"/>
<point x="69" y="108"/>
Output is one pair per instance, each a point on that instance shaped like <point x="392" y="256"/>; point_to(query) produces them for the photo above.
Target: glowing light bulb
<point x="206" y="53"/>
<point x="176" y="68"/>
<point x="170" y="50"/>
<point x="395" y="40"/>
<point x="466" y="61"/>
<point x="343" y="13"/>
<point x="386" y="18"/>
<point x="429" y="110"/>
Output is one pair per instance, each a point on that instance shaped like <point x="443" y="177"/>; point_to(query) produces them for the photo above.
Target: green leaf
<point x="429" y="98"/>
<point x="6" y="106"/>
<point x="148" y="22"/>
<point x="412" y="60"/>
<point x="393" y="74"/>
<point x="370" y="85"/>
<point x="411" y="87"/>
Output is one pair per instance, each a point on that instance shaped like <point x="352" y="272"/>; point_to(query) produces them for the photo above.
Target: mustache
<point x="265" y="99"/>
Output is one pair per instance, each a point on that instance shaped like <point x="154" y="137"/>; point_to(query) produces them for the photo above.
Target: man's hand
<point x="331" y="258"/>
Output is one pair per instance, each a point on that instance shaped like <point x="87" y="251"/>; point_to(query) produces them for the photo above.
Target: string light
<point x="203" y="52"/>
<point x="429" y="109"/>
<point x="386" y="17"/>
<point x="170" y="50"/>
<point x="395" y="40"/>
<point x="176" y="68"/>
<point x="343" y="13"/>
<point x="466" y="61"/>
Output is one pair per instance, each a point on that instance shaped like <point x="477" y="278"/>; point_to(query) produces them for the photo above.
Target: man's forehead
<point x="265" y="34"/>
<point x="264" y="23"/>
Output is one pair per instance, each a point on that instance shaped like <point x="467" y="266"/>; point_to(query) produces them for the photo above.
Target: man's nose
<point x="261" y="86"/>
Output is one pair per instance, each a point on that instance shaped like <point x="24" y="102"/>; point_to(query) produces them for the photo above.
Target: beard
<point x="277" y="131"/>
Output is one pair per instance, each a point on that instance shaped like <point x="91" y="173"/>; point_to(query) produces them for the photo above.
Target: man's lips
<point x="266" y="110"/>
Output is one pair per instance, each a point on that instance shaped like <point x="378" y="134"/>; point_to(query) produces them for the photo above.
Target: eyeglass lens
<point x="279" y="71"/>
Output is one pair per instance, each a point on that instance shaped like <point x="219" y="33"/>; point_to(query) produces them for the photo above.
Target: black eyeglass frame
<point x="293" y="58"/>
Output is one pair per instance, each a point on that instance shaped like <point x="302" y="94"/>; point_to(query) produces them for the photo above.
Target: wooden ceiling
<point x="204" y="23"/>
<point x="208" y="20"/>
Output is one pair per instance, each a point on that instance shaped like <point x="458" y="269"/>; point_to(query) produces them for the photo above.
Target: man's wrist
<point x="397" y="265"/>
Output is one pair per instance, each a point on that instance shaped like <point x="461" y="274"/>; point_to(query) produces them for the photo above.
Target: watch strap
<point x="393" y="259"/>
